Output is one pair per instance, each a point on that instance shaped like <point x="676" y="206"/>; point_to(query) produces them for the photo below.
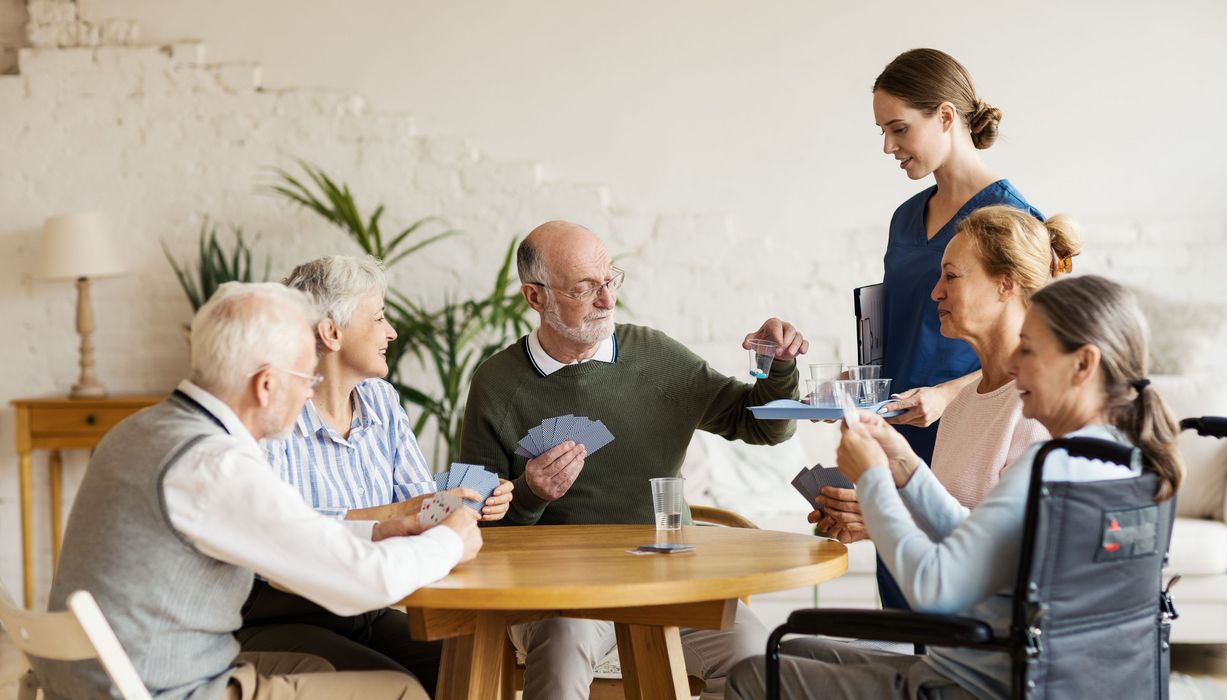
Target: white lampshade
<point x="78" y="245"/>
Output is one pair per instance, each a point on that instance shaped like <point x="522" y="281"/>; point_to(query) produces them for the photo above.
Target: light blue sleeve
<point x="975" y="559"/>
<point x="931" y="505"/>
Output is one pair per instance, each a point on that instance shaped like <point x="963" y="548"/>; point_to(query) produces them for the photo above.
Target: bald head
<point x="559" y="252"/>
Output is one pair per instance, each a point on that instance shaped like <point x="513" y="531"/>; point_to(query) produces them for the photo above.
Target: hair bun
<point x="983" y="124"/>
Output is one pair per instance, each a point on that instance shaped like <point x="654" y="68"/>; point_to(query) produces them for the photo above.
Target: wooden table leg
<point x="657" y="665"/>
<point x="27" y="528"/>
<point x="56" y="464"/>
<point x="472" y="667"/>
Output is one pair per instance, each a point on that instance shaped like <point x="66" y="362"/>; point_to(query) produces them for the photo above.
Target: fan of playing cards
<point x="439" y="505"/>
<point x="593" y="435"/>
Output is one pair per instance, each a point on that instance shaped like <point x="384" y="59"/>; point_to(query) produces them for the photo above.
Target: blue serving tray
<point x="787" y="409"/>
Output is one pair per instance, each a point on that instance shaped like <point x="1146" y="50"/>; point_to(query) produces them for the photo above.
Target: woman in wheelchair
<point x="1080" y="370"/>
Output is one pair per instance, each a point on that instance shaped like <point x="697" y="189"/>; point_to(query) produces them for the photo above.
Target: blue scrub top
<point x="916" y="353"/>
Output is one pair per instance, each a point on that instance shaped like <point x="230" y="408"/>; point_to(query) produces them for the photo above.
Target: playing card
<point x="547" y="433"/>
<point x="481" y="481"/>
<point x="436" y="508"/>
<point x="824" y="476"/>
<point x="526" y="447"/>
<point x="562" y="429"/>
<point x="456" y="475"/>
<point x="441" y="481"/>
<point x="804" y="483"/>
<point x="598" y="437"/>
<point x="538" y="443"/>
<point x="849" y="406"/>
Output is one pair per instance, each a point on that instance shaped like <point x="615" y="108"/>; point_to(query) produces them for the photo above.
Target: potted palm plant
<point x="214" y="265"/>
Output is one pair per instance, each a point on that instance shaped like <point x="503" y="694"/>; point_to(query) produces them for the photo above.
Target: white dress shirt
<point x="223" y="498"/>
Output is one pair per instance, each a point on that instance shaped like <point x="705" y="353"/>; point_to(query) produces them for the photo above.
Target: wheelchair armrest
<point x="1209" y="426"/>
<point x="892" y="626"/>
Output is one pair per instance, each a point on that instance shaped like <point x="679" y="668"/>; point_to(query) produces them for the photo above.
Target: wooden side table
<point x="60" y="424"/>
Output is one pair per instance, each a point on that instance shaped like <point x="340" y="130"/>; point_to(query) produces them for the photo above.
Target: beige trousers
<point x="283" y="675"/>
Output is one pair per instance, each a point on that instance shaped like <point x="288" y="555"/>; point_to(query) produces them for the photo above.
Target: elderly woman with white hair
<point x="351" y="454"/>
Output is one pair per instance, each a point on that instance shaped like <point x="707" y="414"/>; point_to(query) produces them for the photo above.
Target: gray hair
<point x="338" y="283"/>
<point x="530" y="264"/>
<point x="245" y="326"/>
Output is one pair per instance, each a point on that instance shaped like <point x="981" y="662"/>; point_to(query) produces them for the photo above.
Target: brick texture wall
<point x="160" y="138"/>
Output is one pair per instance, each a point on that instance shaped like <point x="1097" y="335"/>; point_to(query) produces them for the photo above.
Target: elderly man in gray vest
<point x="178" y="507"/>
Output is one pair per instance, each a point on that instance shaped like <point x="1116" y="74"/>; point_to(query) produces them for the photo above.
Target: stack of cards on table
<point x="470" y="476"/>
<point x="593" y="435"/>
<point x="810" y="480"/>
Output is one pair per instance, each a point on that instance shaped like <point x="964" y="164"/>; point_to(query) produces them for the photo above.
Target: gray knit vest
<point x="173" y="608"/>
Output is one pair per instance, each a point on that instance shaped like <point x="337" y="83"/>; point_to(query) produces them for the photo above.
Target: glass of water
<point x="667" y="503"/>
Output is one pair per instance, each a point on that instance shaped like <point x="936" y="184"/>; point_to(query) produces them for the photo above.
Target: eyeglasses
<point x="615" y="281"/>
<point x="313" y="380"/>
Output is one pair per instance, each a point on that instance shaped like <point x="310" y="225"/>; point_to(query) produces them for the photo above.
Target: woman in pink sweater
<point x="997" y="259"/>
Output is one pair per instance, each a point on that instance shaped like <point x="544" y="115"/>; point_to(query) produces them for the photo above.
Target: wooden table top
<point x="580" y="566"/>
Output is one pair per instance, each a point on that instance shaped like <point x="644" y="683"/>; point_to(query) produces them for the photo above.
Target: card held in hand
<point x="437" y="507"/>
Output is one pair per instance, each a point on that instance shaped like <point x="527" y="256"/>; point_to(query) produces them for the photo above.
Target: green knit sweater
<point x="652" y="398"/>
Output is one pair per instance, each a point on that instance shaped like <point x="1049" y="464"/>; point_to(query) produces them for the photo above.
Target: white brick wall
<point x="159" y="139"/>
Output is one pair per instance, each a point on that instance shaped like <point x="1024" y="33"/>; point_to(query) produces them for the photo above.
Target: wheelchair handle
<point x="1092" y="448"/>
<point x="1208" y="426"/>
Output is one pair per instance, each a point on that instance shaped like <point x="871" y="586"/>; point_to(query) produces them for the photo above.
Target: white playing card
<point x="436" y="508"/>
<point x="850" y="416"/>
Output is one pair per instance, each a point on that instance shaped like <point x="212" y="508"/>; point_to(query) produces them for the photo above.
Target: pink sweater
<point x="978" y="437"/>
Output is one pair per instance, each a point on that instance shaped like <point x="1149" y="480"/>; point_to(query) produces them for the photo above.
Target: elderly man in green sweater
<point x="651" y="392"/>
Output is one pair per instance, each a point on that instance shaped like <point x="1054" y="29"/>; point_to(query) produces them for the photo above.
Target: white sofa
<point x="755" y="481"/>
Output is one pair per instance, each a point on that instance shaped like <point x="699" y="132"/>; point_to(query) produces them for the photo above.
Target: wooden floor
<point x="1203" y="669"/>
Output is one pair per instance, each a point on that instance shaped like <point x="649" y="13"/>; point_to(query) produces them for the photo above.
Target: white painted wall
<point x="745" y="174"/>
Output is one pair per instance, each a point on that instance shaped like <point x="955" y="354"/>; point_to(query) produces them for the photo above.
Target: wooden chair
<point x="76" y="634"/>
<point x="606" y="688"/>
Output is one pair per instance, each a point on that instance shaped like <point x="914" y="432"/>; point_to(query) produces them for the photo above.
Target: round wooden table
<point x="584" y="571"/>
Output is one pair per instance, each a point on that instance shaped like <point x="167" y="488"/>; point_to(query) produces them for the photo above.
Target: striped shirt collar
<point x="546" y="365"/>
<point x="365" y="415"/>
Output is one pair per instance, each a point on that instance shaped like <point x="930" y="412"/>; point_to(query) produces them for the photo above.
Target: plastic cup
<point x="877" y="390"/>
<point x="864" y="371"/>
<point x="762" y="352"/>
<point x="826" y="371"/>
<point x="667" y="504"/>
<point x="855" y="389"/>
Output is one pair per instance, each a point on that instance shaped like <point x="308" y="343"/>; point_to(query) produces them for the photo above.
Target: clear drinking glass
<point x="667" y="503"/>
<point x="762" y="352"/>
<point x="877" y="391"/>
<point x="855" y="389"/>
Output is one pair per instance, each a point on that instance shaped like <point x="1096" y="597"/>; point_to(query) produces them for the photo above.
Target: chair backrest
<point x="1087" y="619"/>
<point x="76" y="634"/>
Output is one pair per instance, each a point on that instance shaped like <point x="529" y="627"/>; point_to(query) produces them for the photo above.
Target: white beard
<point x="595" y="328"/>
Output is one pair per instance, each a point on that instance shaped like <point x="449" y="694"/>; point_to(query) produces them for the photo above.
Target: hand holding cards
<point x="593" y="435"/>
<point x="468" y="476"/>
<point x="810" y="480"/>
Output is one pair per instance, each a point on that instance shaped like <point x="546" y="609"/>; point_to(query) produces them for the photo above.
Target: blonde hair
<point x="1091" y="310"/>
<point x="925" y="78"/>
<point x="1012" y="243"/>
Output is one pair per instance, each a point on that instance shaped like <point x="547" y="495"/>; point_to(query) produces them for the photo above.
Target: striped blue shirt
<point x="379" y="463"/>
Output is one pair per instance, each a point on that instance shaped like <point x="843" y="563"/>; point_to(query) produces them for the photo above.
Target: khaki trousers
<point x="282" y="676"/>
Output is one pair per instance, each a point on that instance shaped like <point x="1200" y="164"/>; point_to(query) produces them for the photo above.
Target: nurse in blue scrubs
<point x="932" y="123"/>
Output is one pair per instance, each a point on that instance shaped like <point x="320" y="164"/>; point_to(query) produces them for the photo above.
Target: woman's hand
<point x="858" y="449"/>
<point x="921" y="406"/>
<point x="499" y="501"/>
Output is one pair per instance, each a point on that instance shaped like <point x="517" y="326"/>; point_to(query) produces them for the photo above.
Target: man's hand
<point x="841" y="519"/>
<point x="463" y="521"/>
<point x="552" y="472"/>
<point x="499" y="501"/>
<point x="788" y="341"/>
<point x="403" y="526"/>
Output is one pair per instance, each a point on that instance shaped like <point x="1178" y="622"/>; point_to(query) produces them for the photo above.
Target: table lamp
<point x="79" y="246"/>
